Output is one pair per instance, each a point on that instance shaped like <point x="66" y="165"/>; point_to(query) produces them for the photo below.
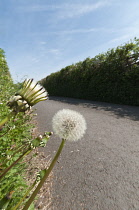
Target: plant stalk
<point x="14" y="163"/>
<point x="24" y="197"/>
<point x="16" y="151"/>
<point x="11" y="114"/>
<point x="31" y="199"/>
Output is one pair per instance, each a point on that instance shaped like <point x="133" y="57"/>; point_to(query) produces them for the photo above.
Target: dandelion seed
<point x="69" y="124"/>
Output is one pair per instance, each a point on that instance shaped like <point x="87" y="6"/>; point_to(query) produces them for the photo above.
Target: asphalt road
<point x="100" y="171"/>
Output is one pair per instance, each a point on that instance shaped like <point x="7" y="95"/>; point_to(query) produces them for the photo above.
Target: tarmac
<point x="100" y="171"/>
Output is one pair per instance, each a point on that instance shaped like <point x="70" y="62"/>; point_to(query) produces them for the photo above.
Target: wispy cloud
<point x="35" y="59"/>
<point x="45" y="51"/>
<point x="43" y="43"/>
<point x="75" y="31"/>
<point x="126" y="33"/>
<point x="66" y="10"/>
<point x="72" y="31"/>
<point x="54" y="51"/>
<point x="75" y="10"/>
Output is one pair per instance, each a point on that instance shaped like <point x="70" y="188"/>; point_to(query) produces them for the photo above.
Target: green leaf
<point x="31" y="207"/>
<point x="45" y="140"/>
<point x="42" y="173"/>
<point x="36" y="142"/>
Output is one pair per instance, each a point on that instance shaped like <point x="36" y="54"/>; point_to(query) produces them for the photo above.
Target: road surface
<point x="100" y="171"/>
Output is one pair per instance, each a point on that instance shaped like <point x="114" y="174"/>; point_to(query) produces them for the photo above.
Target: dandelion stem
<point x="4" y="202"/>
<point x="24" y="197"/>
<point x="14" y="163"/>
<point x="11" y="114"/>
<point x="5" y="132"/>
<point x="28" y="203"/>
<point x="15" y="152"/>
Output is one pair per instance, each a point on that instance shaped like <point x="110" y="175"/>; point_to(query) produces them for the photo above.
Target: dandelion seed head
<point x="69" y="125"/>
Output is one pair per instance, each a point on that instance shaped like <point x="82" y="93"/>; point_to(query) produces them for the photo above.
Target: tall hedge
<point x="109" y="77"/>
<point x="5" y="78"/>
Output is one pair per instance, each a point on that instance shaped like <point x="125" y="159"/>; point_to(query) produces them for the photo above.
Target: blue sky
<point x="40" y="37"/>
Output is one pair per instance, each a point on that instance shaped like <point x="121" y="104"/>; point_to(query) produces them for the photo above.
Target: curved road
<point x="100" y="171"/>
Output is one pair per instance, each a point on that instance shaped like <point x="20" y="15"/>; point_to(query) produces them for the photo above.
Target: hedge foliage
<point x="109" y="77"/>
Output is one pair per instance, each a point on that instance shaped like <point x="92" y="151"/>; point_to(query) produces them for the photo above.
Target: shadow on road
<point x="120" y="111"/>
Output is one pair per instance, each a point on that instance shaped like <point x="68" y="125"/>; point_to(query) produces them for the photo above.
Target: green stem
<point x="11" y="114"/>
<point x="5" y="132"/>
<point x="4" y="202"/>
<point x="14" y="163"/>
<point x="31" y="199"/>
<point x="24" y="197"/>
<point x="16" y="151"/>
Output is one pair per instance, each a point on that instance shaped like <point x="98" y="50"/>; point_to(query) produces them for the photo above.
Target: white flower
<point x="33" y="92"/>
<point x="69" y="124"/>
<point x="30" y="94"/>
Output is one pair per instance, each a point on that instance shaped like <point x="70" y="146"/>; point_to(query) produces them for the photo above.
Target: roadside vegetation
<point x="109" y="77"/>
<point x="12" y="136"/>
<point x="19" y="176"/>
